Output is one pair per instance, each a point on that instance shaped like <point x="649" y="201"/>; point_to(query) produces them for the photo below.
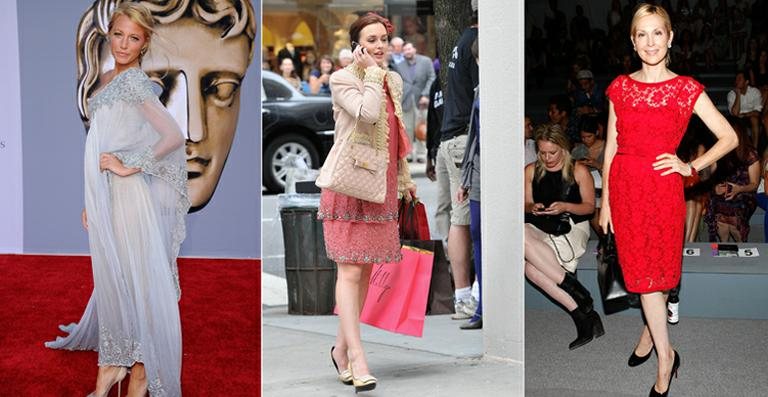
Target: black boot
<point x="588" y="323"/>
<point x="588" y="326"/>
<point x="577" y="291"/>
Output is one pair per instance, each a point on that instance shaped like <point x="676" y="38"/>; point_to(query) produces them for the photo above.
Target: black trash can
<point x="310" y="275"/>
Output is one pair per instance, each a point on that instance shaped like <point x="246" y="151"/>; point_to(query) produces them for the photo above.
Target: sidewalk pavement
<point x="417" y="169"/>
<point x="445" y="362"/>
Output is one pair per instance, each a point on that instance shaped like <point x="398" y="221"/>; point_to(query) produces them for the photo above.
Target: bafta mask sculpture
<point x="198" y="58"/>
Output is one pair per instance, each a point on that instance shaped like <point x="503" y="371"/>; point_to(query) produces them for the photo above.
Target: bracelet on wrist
<point x="692" y="179"/>
<point x="693" y="170"/>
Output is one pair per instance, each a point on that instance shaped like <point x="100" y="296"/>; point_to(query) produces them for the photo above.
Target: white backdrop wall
<point x="11" y="193"/>
<point x="53" y="141"/>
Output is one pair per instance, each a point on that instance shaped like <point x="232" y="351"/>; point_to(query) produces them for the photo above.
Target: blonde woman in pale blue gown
<point x="135" y="204"/>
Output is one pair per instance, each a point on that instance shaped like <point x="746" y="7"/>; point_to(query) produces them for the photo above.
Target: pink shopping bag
<point x="397" y="293"/>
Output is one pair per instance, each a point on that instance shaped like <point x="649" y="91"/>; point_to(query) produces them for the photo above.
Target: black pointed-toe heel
<point x="344" y="376"/>
<point x="635" y="360"/>
<point x="675" y="367"/>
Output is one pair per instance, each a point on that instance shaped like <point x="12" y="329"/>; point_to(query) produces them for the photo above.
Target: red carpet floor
<point x="220" y="316"/>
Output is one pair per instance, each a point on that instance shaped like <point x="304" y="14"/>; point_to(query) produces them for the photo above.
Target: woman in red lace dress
<point x="366" y="99"/>
<point x="643" y="179"/>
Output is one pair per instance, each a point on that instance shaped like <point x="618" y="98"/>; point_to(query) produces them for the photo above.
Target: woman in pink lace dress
<point x="358" y="233"/>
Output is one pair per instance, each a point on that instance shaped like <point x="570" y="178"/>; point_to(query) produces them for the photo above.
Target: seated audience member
<point x="734" y="199"/>
<point x="747" y="105"/>
<point x="696" y="196"/>
<point x="579" y="63"/>
<point x="588" y="98"/>
<point x="758" y="74"/>
<point x="530" y="144"/>
<point x="559" y="190"/>
<point x="559" y="112"/>
<point x="762" y="197"/>
<point x="592" y="147"/>
<point x="590" y="153"/>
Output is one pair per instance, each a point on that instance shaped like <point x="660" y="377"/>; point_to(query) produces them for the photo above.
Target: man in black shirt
<point x="434" y="123"/>
<point x="458" y="98"/>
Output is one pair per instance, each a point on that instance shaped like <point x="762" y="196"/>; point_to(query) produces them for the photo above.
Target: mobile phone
<point x="354" y="45"/>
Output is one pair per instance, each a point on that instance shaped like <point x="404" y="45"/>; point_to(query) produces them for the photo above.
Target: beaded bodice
<point x="131" y="86"/>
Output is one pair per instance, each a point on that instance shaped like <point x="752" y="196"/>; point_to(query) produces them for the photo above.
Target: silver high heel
<point x="121" y="373"/>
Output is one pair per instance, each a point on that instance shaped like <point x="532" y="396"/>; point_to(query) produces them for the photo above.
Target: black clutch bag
<point x="556" y="225"/>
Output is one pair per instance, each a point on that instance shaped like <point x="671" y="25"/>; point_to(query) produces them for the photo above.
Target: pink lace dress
<point x="359" y="231"/>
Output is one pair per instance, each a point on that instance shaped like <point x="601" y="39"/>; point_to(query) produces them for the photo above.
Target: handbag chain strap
<point x="573" y="253"/>
<point x="566" y="189"/>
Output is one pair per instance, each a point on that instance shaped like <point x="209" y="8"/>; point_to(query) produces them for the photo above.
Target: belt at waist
<point x="637" y="154"/>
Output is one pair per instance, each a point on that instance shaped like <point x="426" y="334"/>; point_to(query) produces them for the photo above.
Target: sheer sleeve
<point x="170" y="136"/>
<point x="166" y="138"/>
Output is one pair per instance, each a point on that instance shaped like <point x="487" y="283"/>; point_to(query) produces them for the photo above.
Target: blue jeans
<point x="762" y="202"/>
<point x="474" y="232"/>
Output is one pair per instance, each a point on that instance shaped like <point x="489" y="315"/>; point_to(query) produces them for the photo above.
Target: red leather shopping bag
<point x="412" y="220"/>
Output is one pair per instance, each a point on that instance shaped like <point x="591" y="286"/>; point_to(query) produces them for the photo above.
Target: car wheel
<point x="274" y="165"/>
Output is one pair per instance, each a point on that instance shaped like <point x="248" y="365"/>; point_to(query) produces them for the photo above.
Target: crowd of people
<point x="311" y="75"/>
<point x="732" y="30"/>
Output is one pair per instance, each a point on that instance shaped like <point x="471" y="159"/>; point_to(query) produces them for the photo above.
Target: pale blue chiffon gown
<point x="135" y="228"/>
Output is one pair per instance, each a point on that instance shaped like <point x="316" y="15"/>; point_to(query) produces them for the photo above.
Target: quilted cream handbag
<point x="355" y="168"/>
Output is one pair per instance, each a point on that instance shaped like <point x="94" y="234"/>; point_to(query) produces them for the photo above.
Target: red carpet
<point x="220" y="316"/>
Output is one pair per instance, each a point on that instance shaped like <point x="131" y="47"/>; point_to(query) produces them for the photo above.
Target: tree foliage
<point x="451" y="18"/>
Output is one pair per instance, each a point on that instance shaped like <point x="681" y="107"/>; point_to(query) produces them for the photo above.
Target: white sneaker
<point x="472" y="307"/>
<point x="463" y="310"/>
<point x="673" y="312"/>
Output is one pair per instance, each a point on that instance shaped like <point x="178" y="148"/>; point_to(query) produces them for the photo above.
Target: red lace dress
<point x="359" y="231"/>
<point x="647" y="209"/>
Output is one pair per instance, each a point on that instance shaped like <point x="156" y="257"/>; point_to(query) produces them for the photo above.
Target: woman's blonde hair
<point x="550" y="132"/>
<point x="139" y="15"/>
<point x="645" y="9"/>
